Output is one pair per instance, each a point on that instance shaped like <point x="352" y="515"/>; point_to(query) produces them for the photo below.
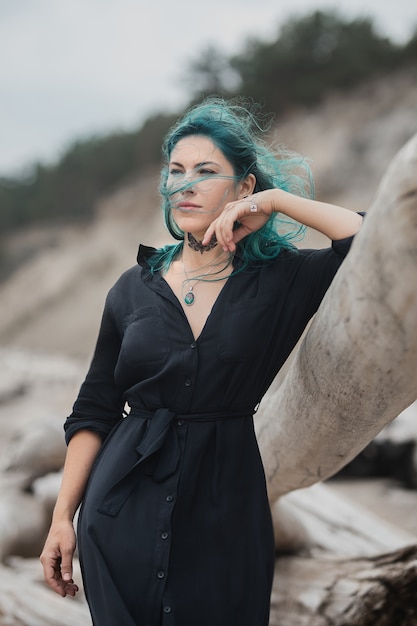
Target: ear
<point x="247" y="186"/>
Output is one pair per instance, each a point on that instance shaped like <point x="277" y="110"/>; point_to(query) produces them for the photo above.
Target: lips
<point x="187" y="206"/>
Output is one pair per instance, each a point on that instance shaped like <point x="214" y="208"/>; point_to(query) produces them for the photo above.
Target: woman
<point x="175" y="526"/>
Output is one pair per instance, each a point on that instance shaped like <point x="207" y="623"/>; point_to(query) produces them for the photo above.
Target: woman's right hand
<point x="56" y="558"/>
<point x="58" y="552"/>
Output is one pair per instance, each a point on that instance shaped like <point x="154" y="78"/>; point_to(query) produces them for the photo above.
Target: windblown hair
<point x="235" y="128"/>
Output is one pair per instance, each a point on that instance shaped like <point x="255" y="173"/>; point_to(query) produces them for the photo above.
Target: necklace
<point x="189" y="297"/>
<point x="197" y="246"/>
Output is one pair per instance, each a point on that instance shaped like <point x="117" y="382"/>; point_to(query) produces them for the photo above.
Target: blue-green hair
<point x="235" y="128"/>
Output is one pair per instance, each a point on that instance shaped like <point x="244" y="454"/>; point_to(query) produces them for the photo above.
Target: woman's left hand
<point x="250" y="213"/>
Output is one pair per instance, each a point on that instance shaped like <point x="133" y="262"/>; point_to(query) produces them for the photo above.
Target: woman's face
<point x="200" y="182"/>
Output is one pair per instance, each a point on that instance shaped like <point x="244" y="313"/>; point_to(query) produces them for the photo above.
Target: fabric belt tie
<point x="159" y="434"/>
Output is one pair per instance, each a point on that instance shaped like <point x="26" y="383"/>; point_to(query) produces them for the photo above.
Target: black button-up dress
<point x="175" y="527"/>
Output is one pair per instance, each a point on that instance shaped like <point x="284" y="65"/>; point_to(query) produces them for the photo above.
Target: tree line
<point x="311" y="56"/>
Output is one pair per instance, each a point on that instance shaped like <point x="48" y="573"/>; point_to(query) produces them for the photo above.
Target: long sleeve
<point x="99" y="405"/>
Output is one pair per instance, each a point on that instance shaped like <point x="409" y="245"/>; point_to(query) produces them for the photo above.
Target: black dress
<point x="175" y="527"/>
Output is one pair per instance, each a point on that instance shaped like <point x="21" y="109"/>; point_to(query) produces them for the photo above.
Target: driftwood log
<point x="354" y="372"/>
<point x="356" y="368"/>
<point x="376" y="591"/>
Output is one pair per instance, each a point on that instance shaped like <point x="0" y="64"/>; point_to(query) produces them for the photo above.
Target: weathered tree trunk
<point x="347" y="567"/>
<point x="318" y="520"/>
<point x="355" y="371"/>
<point x="356" y="368"/>
<point x="329" y="591"/>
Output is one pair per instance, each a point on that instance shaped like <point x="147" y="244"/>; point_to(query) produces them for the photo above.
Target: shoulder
<point x="307" y="264"/>
<point x="130" y="277"/>
<point x="129" y="284"/>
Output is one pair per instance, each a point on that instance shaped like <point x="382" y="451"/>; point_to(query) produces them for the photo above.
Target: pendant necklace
<point x="189" y="297"/>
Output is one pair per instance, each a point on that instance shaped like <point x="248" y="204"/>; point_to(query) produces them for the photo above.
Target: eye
<point x="174" y="171"/>
<point x="205" y="171"/>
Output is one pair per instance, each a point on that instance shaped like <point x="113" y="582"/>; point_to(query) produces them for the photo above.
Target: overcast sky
<point x="72" y="68"/>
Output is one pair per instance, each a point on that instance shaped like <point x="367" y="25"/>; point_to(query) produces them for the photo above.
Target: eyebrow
<point x="197" y="164"/>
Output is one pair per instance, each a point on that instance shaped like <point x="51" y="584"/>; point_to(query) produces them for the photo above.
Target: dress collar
<point x="144" y="254"/>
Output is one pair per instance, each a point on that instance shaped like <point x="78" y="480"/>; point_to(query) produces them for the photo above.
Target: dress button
<point x="188" y="382"/>
<point x="164" y="535"/>
<point x="192" y="345"/>
<point x="169" y="498"/>
<point x="180" y="422"/>
<point x="161" y="574"/>
<point x="167" y="609"/>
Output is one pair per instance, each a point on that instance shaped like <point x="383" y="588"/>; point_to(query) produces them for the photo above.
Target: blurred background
<point x="88" y="89"/>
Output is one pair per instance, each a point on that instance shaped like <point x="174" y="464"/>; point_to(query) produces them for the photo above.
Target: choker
<point x="197" y="246"/>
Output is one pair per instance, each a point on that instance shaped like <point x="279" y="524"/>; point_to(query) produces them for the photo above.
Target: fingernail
<point x="67" y="576"/>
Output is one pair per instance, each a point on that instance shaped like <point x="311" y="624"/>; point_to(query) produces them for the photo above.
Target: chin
<point x="193" y="224"/>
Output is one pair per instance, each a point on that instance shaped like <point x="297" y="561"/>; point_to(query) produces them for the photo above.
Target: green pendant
<point x="189" y="297"/>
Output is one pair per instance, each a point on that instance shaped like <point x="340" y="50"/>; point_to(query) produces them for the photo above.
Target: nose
<point x="188" y="185"/>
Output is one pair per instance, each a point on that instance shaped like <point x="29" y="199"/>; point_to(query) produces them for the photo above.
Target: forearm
<point x="81" y="453"/>
<point x="252" y="213"/>
<point x="333" y="221"/>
